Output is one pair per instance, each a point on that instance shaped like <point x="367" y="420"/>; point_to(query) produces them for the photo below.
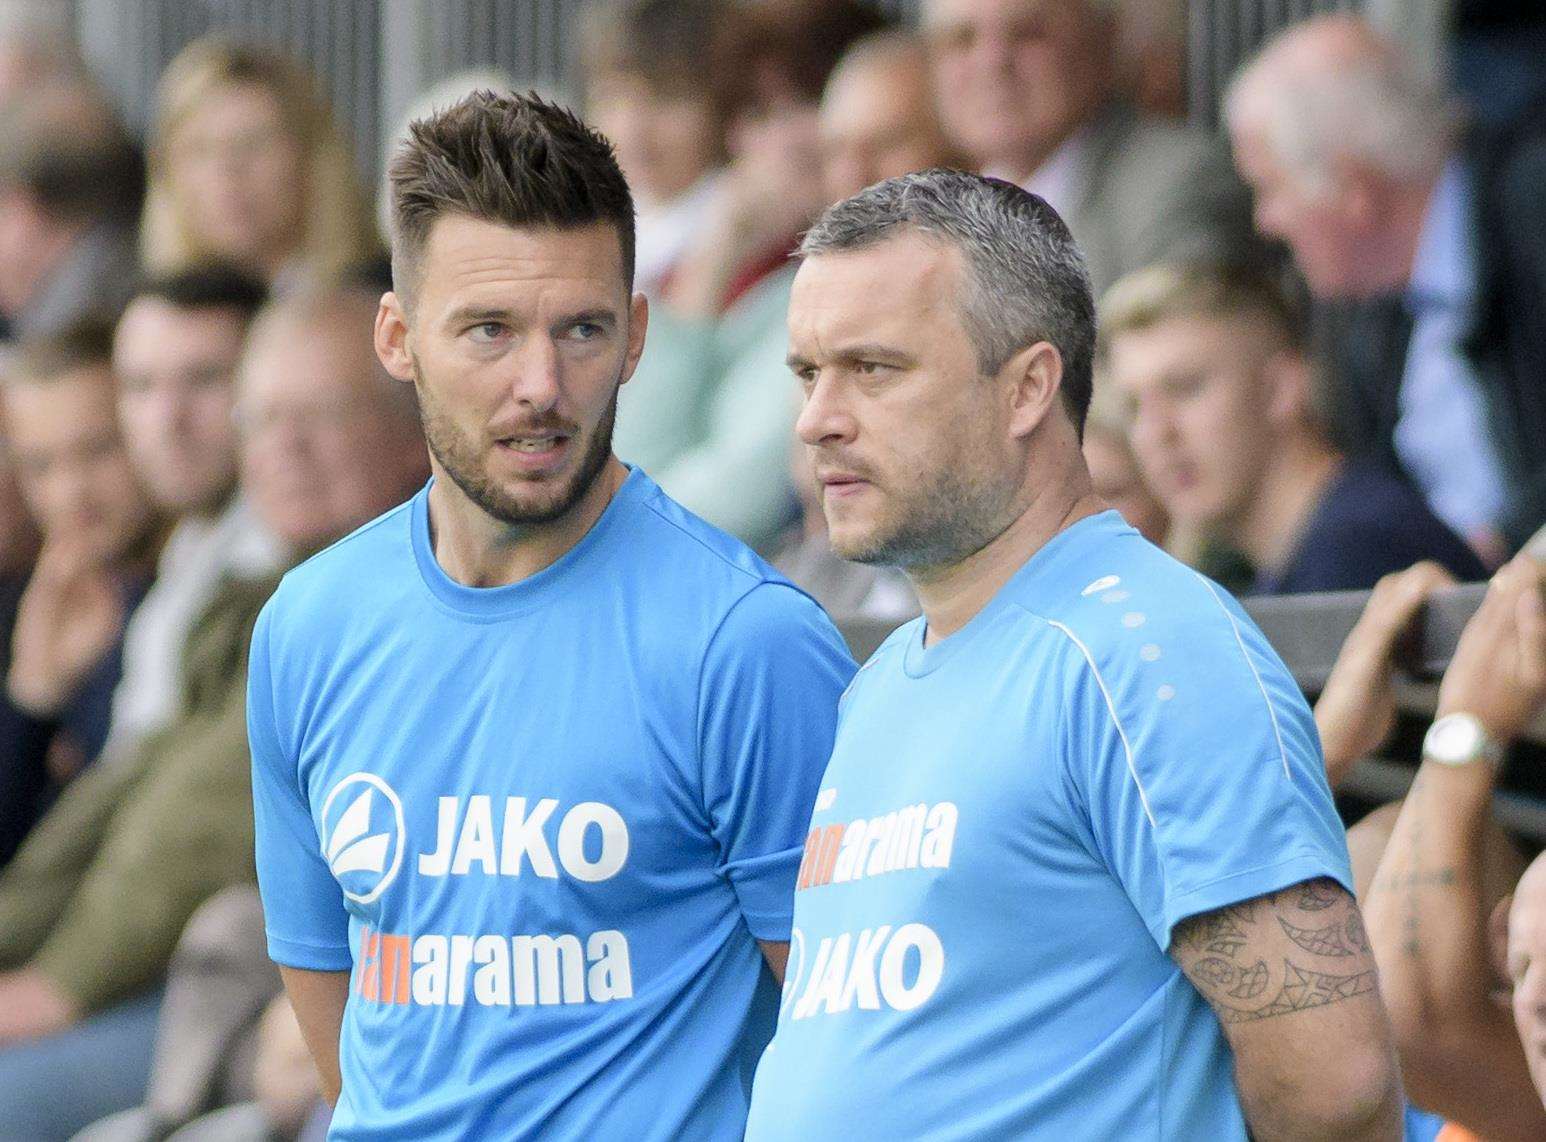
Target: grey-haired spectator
<point x="1429" y="241"/>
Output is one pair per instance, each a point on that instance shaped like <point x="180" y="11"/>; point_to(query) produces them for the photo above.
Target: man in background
<point x="1429" y="245"/>
<point x="879" y="117"/>
<point x="1028" y="90"/>
<point x="1211" y="364"/>
<point x="175" y="351"/>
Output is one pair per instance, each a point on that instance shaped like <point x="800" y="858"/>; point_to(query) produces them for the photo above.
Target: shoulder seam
<point x="655" y="511"/>
<point x="1127" y="747"/>
<point x="380" y="520"/>
<point x="1272" y="713"/>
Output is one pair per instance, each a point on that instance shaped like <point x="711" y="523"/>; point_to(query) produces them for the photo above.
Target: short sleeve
<point x="1198" y="765"/>
<point x="767" y="713"/>
<point x="303" y="908"/>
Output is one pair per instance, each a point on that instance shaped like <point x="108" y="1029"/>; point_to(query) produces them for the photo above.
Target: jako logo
<point x="363" y="835"/>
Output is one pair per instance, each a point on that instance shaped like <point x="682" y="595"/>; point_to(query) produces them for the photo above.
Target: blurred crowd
<point x="1322" y="362"/>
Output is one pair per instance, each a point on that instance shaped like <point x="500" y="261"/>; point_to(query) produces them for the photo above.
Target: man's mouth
<point x="533" y="444"/>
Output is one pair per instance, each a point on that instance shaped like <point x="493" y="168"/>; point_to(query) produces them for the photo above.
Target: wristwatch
<point x="1459" y="739"/>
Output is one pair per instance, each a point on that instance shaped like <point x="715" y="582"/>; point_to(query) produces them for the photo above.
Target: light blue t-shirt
<point x="542" y="825"/>
<point x="1013" y="822"/>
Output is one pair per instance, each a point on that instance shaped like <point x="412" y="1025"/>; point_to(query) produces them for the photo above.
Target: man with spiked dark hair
<point x="533" y="753"/>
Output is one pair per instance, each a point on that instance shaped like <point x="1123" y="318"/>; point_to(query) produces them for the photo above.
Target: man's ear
<point x="638" y="326"/>
<point x="1035" y="376"/>
<point x="393" y="339"/>
<point x="1287" y="377"/>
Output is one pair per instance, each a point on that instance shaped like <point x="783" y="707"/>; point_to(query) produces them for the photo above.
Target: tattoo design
<point x="1228" y="954"/>
<point x="1410" y="881"/>
<point x="1342" y="937"/>
<point x="1315" y="896"/>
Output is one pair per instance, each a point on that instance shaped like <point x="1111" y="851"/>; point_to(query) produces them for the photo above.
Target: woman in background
<point x="247" y="164"/>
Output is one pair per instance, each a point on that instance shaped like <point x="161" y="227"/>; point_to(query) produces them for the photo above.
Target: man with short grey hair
<point x="1074" y="866"/>
<point x="1429" y="243"/>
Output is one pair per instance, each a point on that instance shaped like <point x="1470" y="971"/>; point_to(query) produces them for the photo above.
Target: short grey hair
<point x="1375" y="104"/>
<point x="1026" y="280"/>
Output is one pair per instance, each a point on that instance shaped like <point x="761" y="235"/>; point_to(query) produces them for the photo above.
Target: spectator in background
<point x="1212" y="364"/>
<point x="247" y="165"/>
<point x="1431" y="242"/>
<point x="659" y="83"/>
<point x="228" y="1042"/>
<point x="879" y="117"/>
<point x="71" y="183"/>
<point x="100" y="537"/>
<point x="707" y="413"/>
<point x="93" y="904"/>
<point x="1028" y="89"/>
<point x="175" y="352"/>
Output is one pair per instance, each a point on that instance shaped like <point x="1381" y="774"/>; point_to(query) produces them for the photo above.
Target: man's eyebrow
<point x="598" y="315"/>
<point x="853" y="354"/>
<point x="476" y="314"/>
<point x="888" y="354"/>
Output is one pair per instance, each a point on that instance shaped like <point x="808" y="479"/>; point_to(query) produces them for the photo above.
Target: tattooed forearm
<point x="1410" y="879"/>
<point x="1278" y="954"/>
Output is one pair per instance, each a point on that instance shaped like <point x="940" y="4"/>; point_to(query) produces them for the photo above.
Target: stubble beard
<point x="465" y="467"/>
<point x="943" y="521"/>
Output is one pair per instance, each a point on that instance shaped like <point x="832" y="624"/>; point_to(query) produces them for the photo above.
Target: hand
<point x="32" y="1006"/>
<point x="1357" y="707"/>
<point x="1498" y="673"/>
<point x="69" y="617"/>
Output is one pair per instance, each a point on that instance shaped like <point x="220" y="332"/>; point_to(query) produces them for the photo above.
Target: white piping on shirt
<point x="1127" y="746"/>
<point x="1260" y="685"/>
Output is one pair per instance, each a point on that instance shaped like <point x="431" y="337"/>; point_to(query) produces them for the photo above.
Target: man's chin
<point x="856" y="546"/>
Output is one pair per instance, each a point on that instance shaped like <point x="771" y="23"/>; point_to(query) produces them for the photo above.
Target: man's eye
<point x="870" y="368"/>
<point x="585" y="331"/>
<point x="487" y="331"/>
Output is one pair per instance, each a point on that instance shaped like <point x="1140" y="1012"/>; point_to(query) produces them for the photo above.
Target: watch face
<point x="1457" y="739"/>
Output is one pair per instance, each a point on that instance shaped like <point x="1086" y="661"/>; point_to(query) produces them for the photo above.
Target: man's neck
<point x="1026" y="163"/>
<point x="1290" y="491"/>
<point x="476" y="550"/>
<point x="952" y="595"/>
<point x="1405" y="224"/>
